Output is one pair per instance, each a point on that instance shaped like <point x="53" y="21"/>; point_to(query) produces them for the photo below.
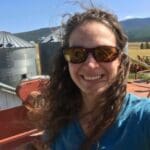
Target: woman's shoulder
<point x="137" y="102"/>
<point x="135" y="112"/>
<point x="137" y="106"/>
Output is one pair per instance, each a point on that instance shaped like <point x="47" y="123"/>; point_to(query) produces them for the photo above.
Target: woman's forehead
<point x="92" y="33"/>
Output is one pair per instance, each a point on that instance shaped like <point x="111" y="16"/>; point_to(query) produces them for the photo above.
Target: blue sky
<point x="26" y="15"/>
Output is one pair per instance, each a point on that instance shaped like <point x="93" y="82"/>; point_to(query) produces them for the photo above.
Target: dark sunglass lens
<point x="98" y="54"/>
<point x="106" y="54"/>
<point x="75" y="55"/>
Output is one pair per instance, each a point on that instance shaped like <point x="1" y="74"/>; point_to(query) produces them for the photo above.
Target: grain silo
<point x="8" y="97"/>
<point x="48" y="48"/>
<point x="17" y="59"/>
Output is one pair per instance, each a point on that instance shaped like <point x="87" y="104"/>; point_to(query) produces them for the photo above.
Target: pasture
<point x="134" y="50"/>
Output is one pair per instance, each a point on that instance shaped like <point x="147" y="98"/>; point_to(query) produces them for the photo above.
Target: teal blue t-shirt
<point x="130" y="131"/>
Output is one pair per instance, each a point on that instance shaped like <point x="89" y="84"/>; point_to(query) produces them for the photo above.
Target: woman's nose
<point x="91" y="62"/>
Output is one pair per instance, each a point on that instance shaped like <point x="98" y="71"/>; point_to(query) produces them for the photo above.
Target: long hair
<point x="63" y="100"/>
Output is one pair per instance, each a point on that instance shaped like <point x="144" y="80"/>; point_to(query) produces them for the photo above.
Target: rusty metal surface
<point x="141" y="89"/>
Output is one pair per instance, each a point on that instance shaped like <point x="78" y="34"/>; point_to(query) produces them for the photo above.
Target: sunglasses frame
<point x="92" y="51"/>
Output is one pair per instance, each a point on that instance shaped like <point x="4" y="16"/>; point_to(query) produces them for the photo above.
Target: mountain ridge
<point x="137" y="30"/>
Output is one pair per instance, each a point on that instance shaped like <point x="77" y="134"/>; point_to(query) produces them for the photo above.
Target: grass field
<point x="134" y="50"/>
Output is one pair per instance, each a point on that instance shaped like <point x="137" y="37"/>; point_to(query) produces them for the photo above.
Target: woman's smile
<point x="93" y="78"/>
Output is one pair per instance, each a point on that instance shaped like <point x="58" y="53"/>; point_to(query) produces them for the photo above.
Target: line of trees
<point x="145" y="45"/>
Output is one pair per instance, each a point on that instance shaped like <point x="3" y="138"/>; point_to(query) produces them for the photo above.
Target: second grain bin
<point x="17" y="59"/>
<point x="48" y="48"/>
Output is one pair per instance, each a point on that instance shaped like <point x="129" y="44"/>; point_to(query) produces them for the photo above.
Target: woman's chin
<point x="96" y="89"/>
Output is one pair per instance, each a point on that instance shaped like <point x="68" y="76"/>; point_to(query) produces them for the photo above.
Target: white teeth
<point x="93" y="77"/>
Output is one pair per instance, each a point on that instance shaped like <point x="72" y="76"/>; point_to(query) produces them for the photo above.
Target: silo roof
<point x="55" y="36"/>
<point x="8" y="40"/>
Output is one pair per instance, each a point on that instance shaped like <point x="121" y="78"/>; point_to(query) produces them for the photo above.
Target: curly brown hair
<point x="63" y="97"/>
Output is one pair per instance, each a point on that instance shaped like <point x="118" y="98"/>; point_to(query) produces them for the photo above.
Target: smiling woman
<point x="93" y="75"/>
<point x="86" y="102"/>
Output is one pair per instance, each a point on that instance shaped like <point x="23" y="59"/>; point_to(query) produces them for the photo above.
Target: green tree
<point x="147" y="46"/>
<point x="142" y="46"/>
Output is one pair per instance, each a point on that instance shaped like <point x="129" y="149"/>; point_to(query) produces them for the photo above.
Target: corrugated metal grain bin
<point x="8" y="97"/>
<point x="17" y="59"/>
<point x="48" y="49"/>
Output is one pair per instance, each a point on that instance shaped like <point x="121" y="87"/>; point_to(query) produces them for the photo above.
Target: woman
<point x="87" y="106"/>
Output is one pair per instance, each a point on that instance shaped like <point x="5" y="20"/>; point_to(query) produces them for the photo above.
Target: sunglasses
<point x="101" y="54"/>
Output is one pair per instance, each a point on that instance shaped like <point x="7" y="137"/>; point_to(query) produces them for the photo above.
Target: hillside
<point x="36" y="35"/>
<point x="137" y="29"/>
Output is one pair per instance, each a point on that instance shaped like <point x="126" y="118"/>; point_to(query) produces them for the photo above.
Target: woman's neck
<point x="85" y="115"/>
<point x="88" y="103"/>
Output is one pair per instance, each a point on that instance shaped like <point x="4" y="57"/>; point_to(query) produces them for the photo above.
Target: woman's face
<point x="92" y="77"/>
